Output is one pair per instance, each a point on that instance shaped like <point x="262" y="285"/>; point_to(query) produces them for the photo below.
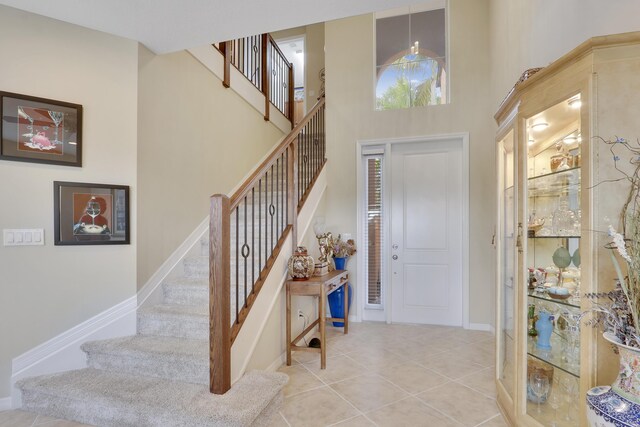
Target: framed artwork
<point x="40" y="130"/>
<point x="90" y="214"/>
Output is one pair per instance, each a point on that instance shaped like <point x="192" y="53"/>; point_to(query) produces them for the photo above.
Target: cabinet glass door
<point x="507" y="269"/>
<point x="553" y="182"/>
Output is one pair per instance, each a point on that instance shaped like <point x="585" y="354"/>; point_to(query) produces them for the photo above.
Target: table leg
<point x="346" y="308"/>
<point x="288" y="326"/>
<point x="323" y="322"/>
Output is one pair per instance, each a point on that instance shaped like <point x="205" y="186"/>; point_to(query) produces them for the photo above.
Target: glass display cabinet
<point x="542" y="211"/>
<point x="556" y="197"/>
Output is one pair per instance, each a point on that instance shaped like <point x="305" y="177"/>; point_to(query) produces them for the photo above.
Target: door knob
<point x="395" y="257"/>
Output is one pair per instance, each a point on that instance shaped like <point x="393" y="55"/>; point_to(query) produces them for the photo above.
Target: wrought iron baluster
<point x="266" y="217"/>
<point x="299" y="166"/>
<point x="245" y="252"/>
<point x="259" y="226"/>
<point x="286" y="175"/>
<point x="277" y="199"/>
<point x="237" y="282"/>
<point x="282" y="195"/>
<point x="253" y="236"/>
<point x="271" y="211"/>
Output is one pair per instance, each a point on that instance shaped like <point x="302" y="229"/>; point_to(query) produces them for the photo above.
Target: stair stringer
<point x="247" y="340"/>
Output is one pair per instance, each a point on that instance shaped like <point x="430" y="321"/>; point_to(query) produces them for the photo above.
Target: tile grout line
<point x="284" y="418"/>
<point x="335" y="392"/>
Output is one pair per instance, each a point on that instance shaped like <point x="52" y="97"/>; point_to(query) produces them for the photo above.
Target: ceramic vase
<point x="336" y="303"/>
<point x="618" y="405"/>
<point x="300" y="264"/>
<point x="544" y="326"/>
<point x="340" y="262"/>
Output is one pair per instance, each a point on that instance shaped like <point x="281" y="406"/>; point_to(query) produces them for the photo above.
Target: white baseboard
<point x="63" y="353"/>
<point x="480" y="327"/>
<point x="277" y="363"/>
<point x="5" y="403"/>
<point x="152" y="290"/>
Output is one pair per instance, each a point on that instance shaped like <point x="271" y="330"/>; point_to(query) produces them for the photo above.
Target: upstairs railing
<point x="262" y="62"/>
<point x="247" y="232"/>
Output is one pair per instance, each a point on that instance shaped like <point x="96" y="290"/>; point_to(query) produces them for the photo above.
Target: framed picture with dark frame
<point x="90" y="214"/>
<point x="40" y="130"/>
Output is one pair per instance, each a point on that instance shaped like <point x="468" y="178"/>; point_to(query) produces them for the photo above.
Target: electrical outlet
<point x="300" y="313"/>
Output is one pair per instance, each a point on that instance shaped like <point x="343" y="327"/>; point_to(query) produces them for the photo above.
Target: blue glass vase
<point x="340" y="262"/>
<point x="544" y="326"/>
<point x="336" y="303"/>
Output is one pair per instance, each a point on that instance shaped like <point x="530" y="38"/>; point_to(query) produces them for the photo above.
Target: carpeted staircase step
<point x="175" y="320"/>
<point x="176" y="359"/>
<point x="186" y="291"/>
<point x="114" y="399"/>
<point x="197" y="266"/>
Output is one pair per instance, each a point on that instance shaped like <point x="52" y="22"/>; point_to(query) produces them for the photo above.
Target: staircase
<point x="160" y="376"/>
<point x="166" y="374"/>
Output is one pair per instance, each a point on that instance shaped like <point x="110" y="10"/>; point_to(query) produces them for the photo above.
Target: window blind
<point x="374" y="236"/>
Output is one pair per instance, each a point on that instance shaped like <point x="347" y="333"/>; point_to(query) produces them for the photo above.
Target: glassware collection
<point x="553" y="260"/>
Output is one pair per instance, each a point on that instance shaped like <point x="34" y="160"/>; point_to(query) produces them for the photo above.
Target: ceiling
<point x="169" y="25"/>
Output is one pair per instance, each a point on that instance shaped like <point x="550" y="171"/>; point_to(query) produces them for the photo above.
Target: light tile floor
<point x="379" y="375"/>
<point x="394" y="375"/>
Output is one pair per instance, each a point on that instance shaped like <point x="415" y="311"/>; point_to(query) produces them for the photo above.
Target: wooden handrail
<point x="277" y="48"/>
<point x="283" y="101"/>
<point x="298" y="160"/>
<point x="277" y="152"/>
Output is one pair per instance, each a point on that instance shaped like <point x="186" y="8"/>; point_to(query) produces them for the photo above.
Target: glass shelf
<point x="556" y="173"/>
<point x="554" y="237"/>
<point x="554" y="356"/>
<point x="555" y="183"/>
<point x="569" y="302"/>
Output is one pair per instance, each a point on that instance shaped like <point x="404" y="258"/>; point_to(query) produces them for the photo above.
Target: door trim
<point x="385" y="144"/>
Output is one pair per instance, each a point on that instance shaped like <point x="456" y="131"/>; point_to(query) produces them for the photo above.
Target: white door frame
<point x="385" y="145"/>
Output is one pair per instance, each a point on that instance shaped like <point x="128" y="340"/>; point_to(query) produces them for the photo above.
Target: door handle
<point x="395" y="257"/>
<point x="519" y="238"/>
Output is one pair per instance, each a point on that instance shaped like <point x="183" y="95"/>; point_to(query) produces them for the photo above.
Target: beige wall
<point x="533" y="33"/>
<point x="49" y="289"/>
<point x="195" y="138"/>
<point x="351" y="117"/>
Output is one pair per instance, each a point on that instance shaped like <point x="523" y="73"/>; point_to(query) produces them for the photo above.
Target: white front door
<point x="427" y="233"/>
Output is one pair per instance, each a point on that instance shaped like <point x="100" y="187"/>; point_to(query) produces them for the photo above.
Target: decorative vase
<point x="544" y="326"/>
<point x="627" y="384"/>
<point x="618" y="405"/>
<point x="336" y="302"/>
<point x="300" y="264"/>
<point x="340" y="262"/>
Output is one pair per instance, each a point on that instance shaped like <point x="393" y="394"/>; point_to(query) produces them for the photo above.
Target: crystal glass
<point x="555" y="400"/>
<point x="539" y="385"/>
<point x="563" y="219"/>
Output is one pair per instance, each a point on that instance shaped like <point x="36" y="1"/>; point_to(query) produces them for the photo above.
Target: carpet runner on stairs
<point x="160" y="376"/>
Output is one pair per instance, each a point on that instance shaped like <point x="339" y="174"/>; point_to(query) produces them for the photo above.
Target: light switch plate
<point x="23" y="237"/>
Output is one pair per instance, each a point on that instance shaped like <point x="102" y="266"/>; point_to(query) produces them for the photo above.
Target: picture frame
<point x="91" y="214"/>
<point x="40" y="130"/>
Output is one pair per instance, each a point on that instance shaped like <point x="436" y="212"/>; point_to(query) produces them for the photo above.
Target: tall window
<point x="411" y="60"/>
<point x="374" y="228"/>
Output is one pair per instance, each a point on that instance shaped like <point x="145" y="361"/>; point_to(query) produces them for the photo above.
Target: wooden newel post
<point x="225" y="48"/>
<point x="265" y="74"/>
<point x="291" y="95"/>
<point x="219" y="296"/>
